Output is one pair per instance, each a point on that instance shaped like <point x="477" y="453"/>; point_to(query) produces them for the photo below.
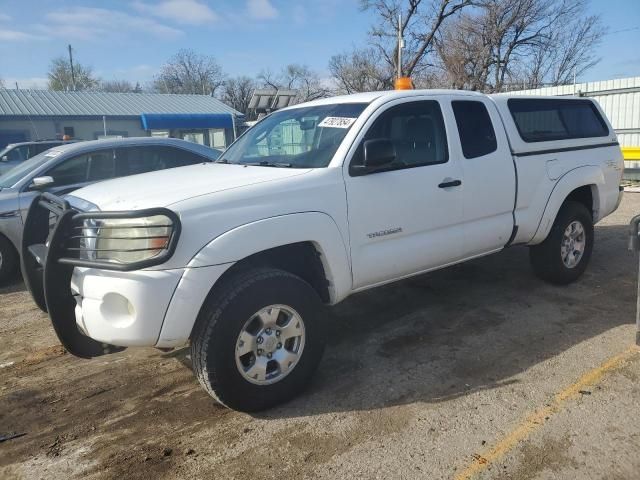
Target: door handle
<point x="450" y="183"/>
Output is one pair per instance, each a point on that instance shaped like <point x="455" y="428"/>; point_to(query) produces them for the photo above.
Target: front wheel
<point x="258" y="339"/>
<point x="563" y="257"/>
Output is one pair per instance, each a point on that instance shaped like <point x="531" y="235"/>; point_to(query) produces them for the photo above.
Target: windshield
<point x="306" y="137"/>
<point x="17" y="173"/>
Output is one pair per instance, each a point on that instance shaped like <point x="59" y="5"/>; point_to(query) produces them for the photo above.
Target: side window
<point x="475" y="128"/>
<point x="89" y="167"/>
<point x="43" y="147"/>
<point x="550" y="119"/>
<point x="69" y="172"/>
<point x="135" y="160"/>
<point x="177" y="157"/>
<point x="102" y="165"/>
<point x="19" y="154"/>
<point x="417" y="132"/>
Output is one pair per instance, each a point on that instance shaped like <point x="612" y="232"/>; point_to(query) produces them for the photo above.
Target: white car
<point x="312" y="204"/>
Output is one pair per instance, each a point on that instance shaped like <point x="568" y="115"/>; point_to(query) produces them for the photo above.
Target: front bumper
<point x="122" y="308"/>
<point x="102" y="308"/>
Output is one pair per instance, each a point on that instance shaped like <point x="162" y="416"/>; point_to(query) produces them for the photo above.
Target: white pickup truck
<point x="312" y="204"/>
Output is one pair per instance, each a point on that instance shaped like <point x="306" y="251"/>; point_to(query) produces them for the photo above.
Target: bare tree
<point x="375" y="67"/>
<point x="421" y="22"/>
<point x="237" y="92"/>
<point x="492" y="46"/>
<point x="1" y="83"/>
<point x="464" y="53"/>
<point x="189" y="72"/>
<point x="119" y="86"/>
<point x="513" y="43"/>
<point x="296" y="77"/>
<point x="60" y="77"/>
<point x="360" y="71"/>
<point x="568" y="51"/>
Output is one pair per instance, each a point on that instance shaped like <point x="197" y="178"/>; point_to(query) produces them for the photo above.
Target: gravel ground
<point x="477" y="371"/>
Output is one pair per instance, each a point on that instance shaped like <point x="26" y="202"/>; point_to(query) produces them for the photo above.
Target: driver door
<point x="406" y="218"/>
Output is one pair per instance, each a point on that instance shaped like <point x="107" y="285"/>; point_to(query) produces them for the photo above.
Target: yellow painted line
<point x="539" y="417"/>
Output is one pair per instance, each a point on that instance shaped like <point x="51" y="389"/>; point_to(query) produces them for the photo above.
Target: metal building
<point x="42" y="114"/>
<point x="620" y="99"/>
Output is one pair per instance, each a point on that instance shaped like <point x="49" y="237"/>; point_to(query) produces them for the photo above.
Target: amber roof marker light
<point x="403" y="83"/>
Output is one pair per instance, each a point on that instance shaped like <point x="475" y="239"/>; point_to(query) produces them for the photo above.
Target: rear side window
<point x="546" y="120"/>
<point x="135" y="160"/>
<point x="43" y="147"/>
<point x="102" y="165"/>
<point x="475" y="128"/>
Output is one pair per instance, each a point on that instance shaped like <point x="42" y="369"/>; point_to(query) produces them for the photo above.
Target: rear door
<point x="489" y="192"/>
<point x="406" y="219"/>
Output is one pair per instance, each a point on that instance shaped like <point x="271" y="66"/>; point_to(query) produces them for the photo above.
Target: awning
<point x="185" y="121"/>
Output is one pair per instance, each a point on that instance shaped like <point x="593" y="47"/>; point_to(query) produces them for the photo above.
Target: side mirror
<point x="39" y="183"/>
<point x="378" y="152"/>
<point x="5" y="158"/>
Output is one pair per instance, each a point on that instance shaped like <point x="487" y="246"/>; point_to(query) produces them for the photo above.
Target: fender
<point x="316" y="227"/>
<point x="576" y="178"/>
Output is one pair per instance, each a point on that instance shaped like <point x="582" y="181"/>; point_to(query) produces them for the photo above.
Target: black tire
<point x="546" y="258"/>
<point x="9" y="260"/>
<point x="223" y="316"/>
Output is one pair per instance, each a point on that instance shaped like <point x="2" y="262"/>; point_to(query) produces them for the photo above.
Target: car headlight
<point x="125" y="240"/>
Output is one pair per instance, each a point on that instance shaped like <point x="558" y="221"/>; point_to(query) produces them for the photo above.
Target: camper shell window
<point x="546" y="120"/>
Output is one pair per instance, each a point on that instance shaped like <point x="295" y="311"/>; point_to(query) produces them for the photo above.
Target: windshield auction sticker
<point x="337" y="122"/>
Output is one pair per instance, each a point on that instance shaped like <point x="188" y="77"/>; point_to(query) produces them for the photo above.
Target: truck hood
<point x="166" y="187"/>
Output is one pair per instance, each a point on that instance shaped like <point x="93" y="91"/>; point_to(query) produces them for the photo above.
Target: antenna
<point x="73" y="75"/>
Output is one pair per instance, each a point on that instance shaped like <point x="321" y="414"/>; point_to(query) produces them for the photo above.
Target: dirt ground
<point x="477" y="371"/>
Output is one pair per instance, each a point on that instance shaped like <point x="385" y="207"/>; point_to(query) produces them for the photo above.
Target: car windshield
<point x="305" y="137"/>
<point x="17" y="173"/>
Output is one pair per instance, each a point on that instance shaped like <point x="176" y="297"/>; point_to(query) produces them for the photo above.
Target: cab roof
<point x="368" y="97"/>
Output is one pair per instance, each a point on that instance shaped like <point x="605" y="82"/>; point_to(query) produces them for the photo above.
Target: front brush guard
<point x="48" y="280"/>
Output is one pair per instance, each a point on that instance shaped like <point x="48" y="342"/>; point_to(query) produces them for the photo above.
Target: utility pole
<point x="402" y="82"/>
<point x="400" y="45"/>
<point x="73" y="75"/>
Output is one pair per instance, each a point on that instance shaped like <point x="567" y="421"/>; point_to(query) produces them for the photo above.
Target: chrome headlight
<point x="125" y="240"/>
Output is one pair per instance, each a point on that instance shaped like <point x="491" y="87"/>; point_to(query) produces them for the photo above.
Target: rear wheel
<point x="258" y="339"/>
<point x="563" y="257"/>
<point x="9" y="260"/>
